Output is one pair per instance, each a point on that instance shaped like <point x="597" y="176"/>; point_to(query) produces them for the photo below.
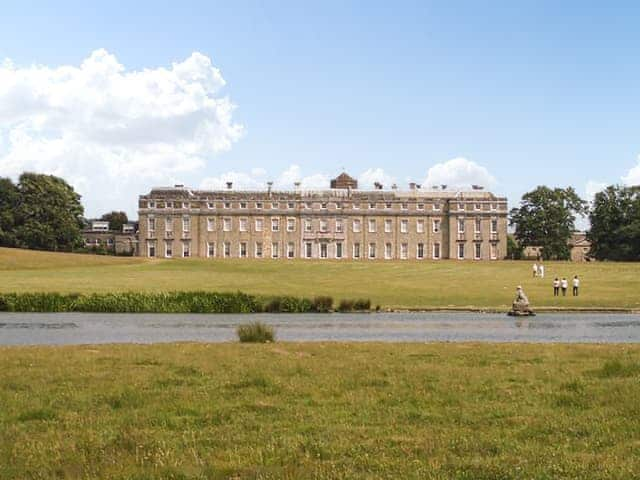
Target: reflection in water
<point x="86" y="328"/>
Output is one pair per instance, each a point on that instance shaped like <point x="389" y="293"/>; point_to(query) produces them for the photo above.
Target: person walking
<point x="535" y="270"/>
<point x="564" y="285"/>
<point x="556" y="287"/>
<point x="576" y="285"/>
<point x="541" y="270"/>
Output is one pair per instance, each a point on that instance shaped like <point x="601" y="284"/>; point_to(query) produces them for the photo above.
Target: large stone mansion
<point x="341" y="222"/>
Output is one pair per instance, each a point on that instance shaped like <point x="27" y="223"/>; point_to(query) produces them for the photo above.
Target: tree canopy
<point x="615" y="224"/>
<point x="41" y="212"/>
<point x="546" y="218"/>
<point x="116" y="220"/>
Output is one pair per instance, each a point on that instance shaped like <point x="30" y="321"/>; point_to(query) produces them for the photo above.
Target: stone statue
<point x="520" y="306"/>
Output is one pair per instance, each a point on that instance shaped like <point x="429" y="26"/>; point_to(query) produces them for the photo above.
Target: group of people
<point x="558" y="284"/>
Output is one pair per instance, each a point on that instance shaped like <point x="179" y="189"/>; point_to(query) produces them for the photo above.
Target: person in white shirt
<point x="541" y="271"/>
<point x="564" y="285"/>
<point x="535" y="270"/>
<point x="556" y="287"/>
<point x="576" y="284"/>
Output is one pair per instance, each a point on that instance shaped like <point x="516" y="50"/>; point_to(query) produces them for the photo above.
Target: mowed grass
<point x="390" y="284"/>
<point x="323" y="411"/>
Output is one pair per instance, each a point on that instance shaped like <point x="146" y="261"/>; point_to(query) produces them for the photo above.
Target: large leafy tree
<point x="48" y="215"/>
<point x="115" y="219"/>
<point x="615" y="224"/>
<point x="9" y="196"/>
<point x="546" y="217"/>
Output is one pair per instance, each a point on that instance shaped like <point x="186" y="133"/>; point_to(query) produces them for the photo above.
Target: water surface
<point x="93" y="328"/>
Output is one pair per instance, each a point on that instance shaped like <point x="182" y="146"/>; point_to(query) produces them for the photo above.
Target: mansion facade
<point x="338" y="223"/>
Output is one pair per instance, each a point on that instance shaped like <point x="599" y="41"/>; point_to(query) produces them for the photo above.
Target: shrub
<point x="345" y="305"/>
<point x="322" y="304"/>
<point x="255" y="332"/>
<point x="362" y="304"/>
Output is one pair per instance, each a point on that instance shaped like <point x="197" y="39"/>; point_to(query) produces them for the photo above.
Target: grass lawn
<point x="394" y="284"/>
<point x="324" y="411"/>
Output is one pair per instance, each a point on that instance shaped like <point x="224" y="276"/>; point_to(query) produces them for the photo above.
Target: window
<point x="274" y="250"/>
<point x="258" y="249"/>
<point x="274" y="205"/>
<point x="420" y="251"/>
<point x="356" y="250"/>
<point x="258" y="205"/>
<point x="211" y="249"/>
<point x="404" y="206"/>
<point x="168" y="224"/>
<point x="186" y="249"/>
<point x="308" y="205"/>
<point x="494" y="251"/>
<point x="291" y="205"/>
<point x="356" y="206"/>
<point x="323" y="250"/>
<point x="227" y="205"/>
<point x="420" y="226"/>
<point x="242" y="225"/>
<point x="211" y="205"/>
<point x="324" y="226"/>
<point x="185" y="204"/>
<point x="461" y="225"/>
<point x="404" y="251"/>
<point x="170" y="205"/>
<point x="436" y="207"/>
<point x="372" y="206"/>
<point x="477" y="225"/>
<point x="151" y="249"/>
<point x="152" y="204"/>
<point x="339" y="250"/>
<point x="168" y="249"/>
<point x="494" y="206"/>
<point x="460" y="251"/>
<point x="186" y="224"/>
<point x="243" y="249"/>
<point x="460" y="206"/>
<point x="227" y="249"/>
<point x="372" y="250"/>
<point x="372" y="225"/>
<point x="387" y="205"/>
<point x="477" y="251"/>
<point x="436" y="251"/>
<point x="387" y="225"/>
<point x="339" y="225"/>
<point x="291" y="224"/>
<point x="436" y="225"/>
<point x="494" y="225"/>
<point x="338" y="206"/>
<point x="420" y="206"/>
<point x="275" y="224"/>
<point x="291" y="250"/>
<point x="226" y="224"/>
<point x="323" y="205"/>
<point x="259" y="224"/>
<point x="308" y="249"/>
<point x="308" y="225"/>
<point x="404" y="226"/>
<point x="243" y="205"/>
<point x="211" y="224"/>
<point x="387" y="251"/>
<point x="356" y="226"/>
<point x="151" y="223"/>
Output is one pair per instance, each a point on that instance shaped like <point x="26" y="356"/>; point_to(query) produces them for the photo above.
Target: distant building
<point x="337" y="223"/>
<point x="98" y="236"/>
<point x="579" y="247"/>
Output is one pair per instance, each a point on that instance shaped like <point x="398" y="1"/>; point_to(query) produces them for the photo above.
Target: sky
<point x="124" y="96"/>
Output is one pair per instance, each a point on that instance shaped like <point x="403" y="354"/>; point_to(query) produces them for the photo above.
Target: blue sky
<point x="533" y="92"/>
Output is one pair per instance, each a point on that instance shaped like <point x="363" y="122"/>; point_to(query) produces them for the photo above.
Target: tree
<point x="515" y="251"/>
<point x="546" y="218"/>
<point x="9" y="197"/>
<point x="615" y="224"/>
<point x="48" y="215"/>
<point x="115" y="219"/>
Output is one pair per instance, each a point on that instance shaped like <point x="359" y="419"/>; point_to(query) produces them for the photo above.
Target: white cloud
<point x="633" y="175"/>
<point x="458" y="173"/>
<point x="257" y="180"/>
<point x="109" y="131"/>
<point x="369" y="177"/>
<point x="592" y="187"/>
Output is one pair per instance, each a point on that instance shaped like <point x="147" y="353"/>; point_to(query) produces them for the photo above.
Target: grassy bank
<point x="186" y="411"/>
<point x="395" y="284"/>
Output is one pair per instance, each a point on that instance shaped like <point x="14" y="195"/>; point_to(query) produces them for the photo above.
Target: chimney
<point x="269" y="185"/>
<point x="444" y="187"/>
<point x="229" y="185"/>
<point x="296" y="185"/>
<point x="412" y="185"/>
<point x="179" y="185"/>
<point x="394" y="187"/>
<point x="377" y="185"/>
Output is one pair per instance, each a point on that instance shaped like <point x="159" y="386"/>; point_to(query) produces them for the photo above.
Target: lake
<point x="93" y="328"/>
